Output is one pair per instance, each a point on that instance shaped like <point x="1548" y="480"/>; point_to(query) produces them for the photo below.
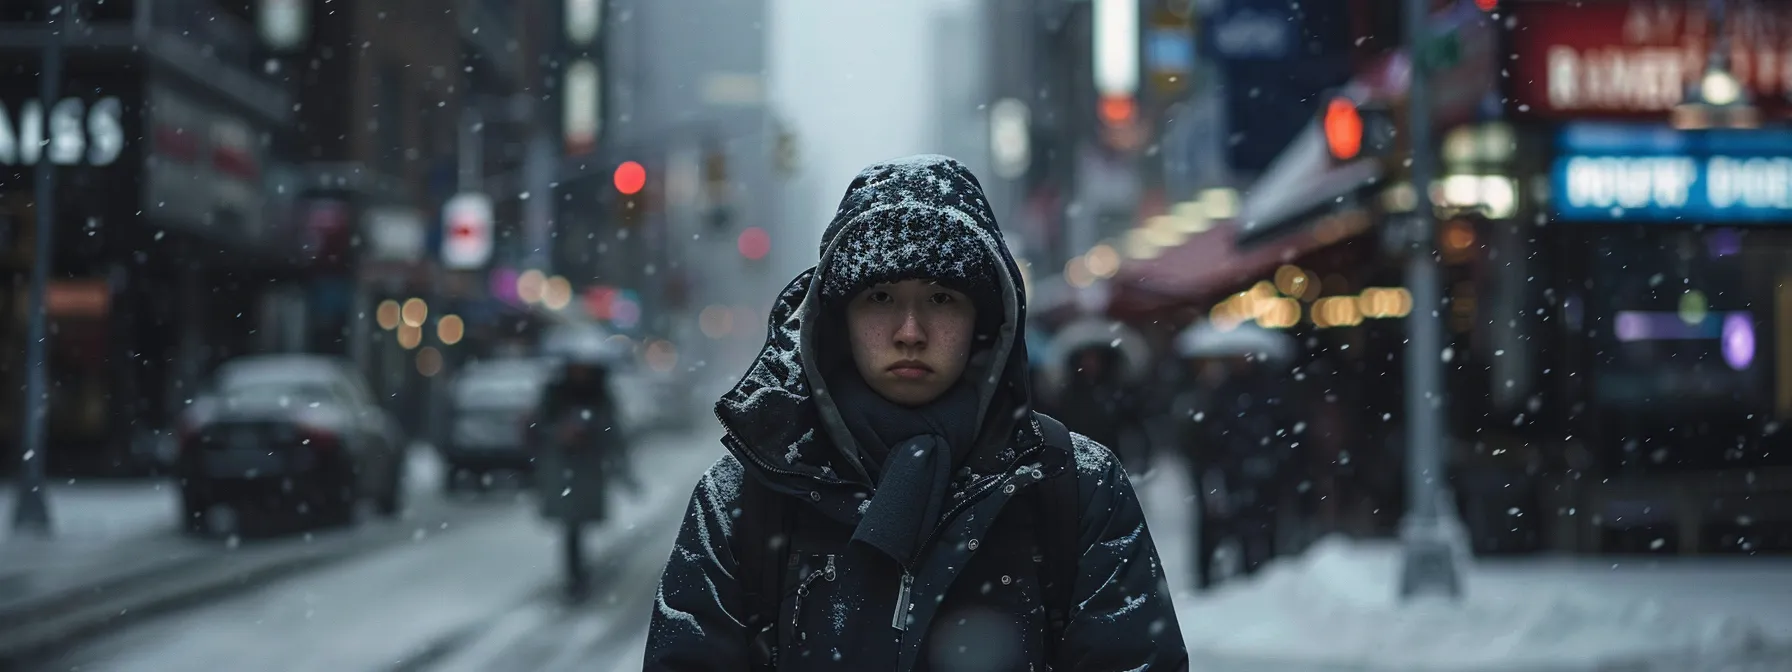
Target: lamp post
<point x="1428" y="554"/>
<point x="31" y="513"/>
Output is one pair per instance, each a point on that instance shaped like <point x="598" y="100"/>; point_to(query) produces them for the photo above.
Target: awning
<point x="1304" y="181"/>
<point x="1212" y="263"/>
<point x="1307" y="200"/>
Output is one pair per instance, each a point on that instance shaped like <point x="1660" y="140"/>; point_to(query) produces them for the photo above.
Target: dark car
<point x="288" y="434"/>
<point x="493" y="402"/>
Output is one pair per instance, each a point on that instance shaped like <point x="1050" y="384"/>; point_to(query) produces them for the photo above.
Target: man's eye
<point x="878" y="297"/>
<point x="942" y="297"/>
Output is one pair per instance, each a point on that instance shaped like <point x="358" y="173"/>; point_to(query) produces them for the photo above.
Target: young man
<point x="889" y="501"/>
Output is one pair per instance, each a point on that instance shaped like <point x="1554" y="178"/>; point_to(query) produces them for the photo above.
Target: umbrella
<point x="1096" y="333"/>
<point x="1205" y="339"/>
<point x="586" y="343"/>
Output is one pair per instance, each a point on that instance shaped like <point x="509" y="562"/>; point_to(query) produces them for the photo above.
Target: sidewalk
<point x="102" y="532"/>
<point x="118" y="552"/>
<point x="1335" y="607"/>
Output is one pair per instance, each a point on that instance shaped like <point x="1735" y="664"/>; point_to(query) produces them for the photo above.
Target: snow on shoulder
<point x="1092" y="459"/>
<point x="1337" y="605"/>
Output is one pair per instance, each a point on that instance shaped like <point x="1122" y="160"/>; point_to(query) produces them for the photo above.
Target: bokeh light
<point x="387" y="314"/>
<point x="450" y="329"/>
<point x="415" y="311"/>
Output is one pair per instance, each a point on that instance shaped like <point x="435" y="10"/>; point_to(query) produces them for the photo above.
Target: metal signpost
<point x="1428" y="556"/>
<point x="31" y="514"/>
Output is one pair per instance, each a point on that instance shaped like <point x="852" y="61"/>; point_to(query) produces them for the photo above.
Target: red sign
<point x="600" y="302"/>
<point x="1638" y="57"/>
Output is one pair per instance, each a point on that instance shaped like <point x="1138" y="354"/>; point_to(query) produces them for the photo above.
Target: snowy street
<point x="487" y="598"/>
<point x="439" y="602"/>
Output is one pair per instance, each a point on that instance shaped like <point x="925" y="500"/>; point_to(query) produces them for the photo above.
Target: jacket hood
<point x="922" y="216"/>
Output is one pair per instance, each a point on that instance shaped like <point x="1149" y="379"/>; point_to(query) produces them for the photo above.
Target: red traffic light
<point x="630" y="178"/>
<point x="1487" y="5"/>
<point x="1343" y="129"/>
<point x="754" y="243"/>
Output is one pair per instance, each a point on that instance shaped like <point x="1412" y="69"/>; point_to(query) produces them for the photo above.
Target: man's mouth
<point x="910" y="368"/>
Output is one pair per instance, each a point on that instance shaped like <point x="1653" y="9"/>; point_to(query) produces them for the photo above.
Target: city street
<point x="486" y="598"/>
<point x="482" y="597"/>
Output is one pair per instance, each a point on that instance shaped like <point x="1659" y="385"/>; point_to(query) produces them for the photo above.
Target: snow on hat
<point x="914" y="242"/>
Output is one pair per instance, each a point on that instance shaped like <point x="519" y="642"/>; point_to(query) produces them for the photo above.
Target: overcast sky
<point x="851" y="77"/>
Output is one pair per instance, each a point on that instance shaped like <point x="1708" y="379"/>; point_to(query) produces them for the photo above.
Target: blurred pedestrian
<point x="581" y="449"/>
<point x="1243" y="465"/>
<point x="889" y="500"/>
<point x="1098" y="402"/>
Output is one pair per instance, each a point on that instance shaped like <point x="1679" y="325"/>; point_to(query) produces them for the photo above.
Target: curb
<point x="23" y="612"/>
<point x="29" y="633"/>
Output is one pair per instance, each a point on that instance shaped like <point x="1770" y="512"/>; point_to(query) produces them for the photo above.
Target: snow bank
<point x="1337" y="605"/>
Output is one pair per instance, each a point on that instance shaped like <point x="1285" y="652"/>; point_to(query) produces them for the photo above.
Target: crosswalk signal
<point x="1356" y="130"/>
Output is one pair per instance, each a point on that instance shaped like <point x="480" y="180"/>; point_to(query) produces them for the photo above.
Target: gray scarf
<point x="910" y="452"/>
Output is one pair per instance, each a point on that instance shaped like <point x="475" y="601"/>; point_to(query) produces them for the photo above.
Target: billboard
<point x="1636" y="58"/>
<point x="1606" y="172"/>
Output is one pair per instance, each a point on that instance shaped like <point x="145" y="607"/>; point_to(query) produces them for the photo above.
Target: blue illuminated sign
<point x="1618" y="172"/>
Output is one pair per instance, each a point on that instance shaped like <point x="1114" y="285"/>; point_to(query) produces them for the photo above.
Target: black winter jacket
<point x="975" y="600"/>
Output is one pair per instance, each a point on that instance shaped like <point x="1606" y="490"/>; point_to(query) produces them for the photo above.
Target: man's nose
<point x="909" y="333"/>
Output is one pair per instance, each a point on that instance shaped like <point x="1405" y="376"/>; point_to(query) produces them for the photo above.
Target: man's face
<point x="910" y="339"/>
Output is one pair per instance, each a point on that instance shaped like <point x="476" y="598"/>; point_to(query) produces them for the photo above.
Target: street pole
<point x="31" y="513"/>
<point x="1428" y="553"/>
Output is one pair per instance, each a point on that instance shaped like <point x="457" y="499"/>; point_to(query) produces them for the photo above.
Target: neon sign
<point x="1607" y="173"/>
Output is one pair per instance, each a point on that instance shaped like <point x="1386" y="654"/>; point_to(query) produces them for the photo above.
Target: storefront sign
<point x="394" y="234"/>
<point x="79" y="133"/>
<point x="1638" y="57"/>
<point x="1252" y="30"/>
<point x="1607" y="173"/>
<point x="204" y="168"/>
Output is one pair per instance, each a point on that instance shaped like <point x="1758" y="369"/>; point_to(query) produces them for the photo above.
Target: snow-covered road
<point x="485" y="598"/>
<point x="480" y="598"/>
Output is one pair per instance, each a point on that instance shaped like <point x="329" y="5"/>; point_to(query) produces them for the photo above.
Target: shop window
<point x="1676" y="324"/>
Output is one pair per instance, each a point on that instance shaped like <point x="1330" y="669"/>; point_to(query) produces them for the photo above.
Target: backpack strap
<point x="761" y="545"/>
<point x="1059" y="528"/>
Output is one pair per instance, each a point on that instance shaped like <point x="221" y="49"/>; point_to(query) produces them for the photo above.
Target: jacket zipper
<point x="802" y="591"/>
<point x="899" y="620"/>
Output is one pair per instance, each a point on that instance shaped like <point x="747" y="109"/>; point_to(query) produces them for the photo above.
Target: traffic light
<point x="754" y="243"/>
<point x="1356" y="130"/>
<point x="630" y="180"/>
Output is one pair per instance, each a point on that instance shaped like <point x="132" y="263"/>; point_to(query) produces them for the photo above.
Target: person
<point x="888" y="499"/>
<point x="1097" y="403"/>
<point x="583" y="449"/>
<point x="1242" y="466"/>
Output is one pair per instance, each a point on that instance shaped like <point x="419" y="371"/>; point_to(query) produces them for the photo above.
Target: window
<point x="1674" y="323"/>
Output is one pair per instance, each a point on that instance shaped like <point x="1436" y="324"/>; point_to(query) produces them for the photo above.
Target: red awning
<point x="1306" y="200"/>
<point x="1211" y="264"/>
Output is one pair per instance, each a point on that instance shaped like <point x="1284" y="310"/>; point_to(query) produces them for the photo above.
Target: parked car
<point x="491" y="403"/>
<point x="294" y="434"/>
